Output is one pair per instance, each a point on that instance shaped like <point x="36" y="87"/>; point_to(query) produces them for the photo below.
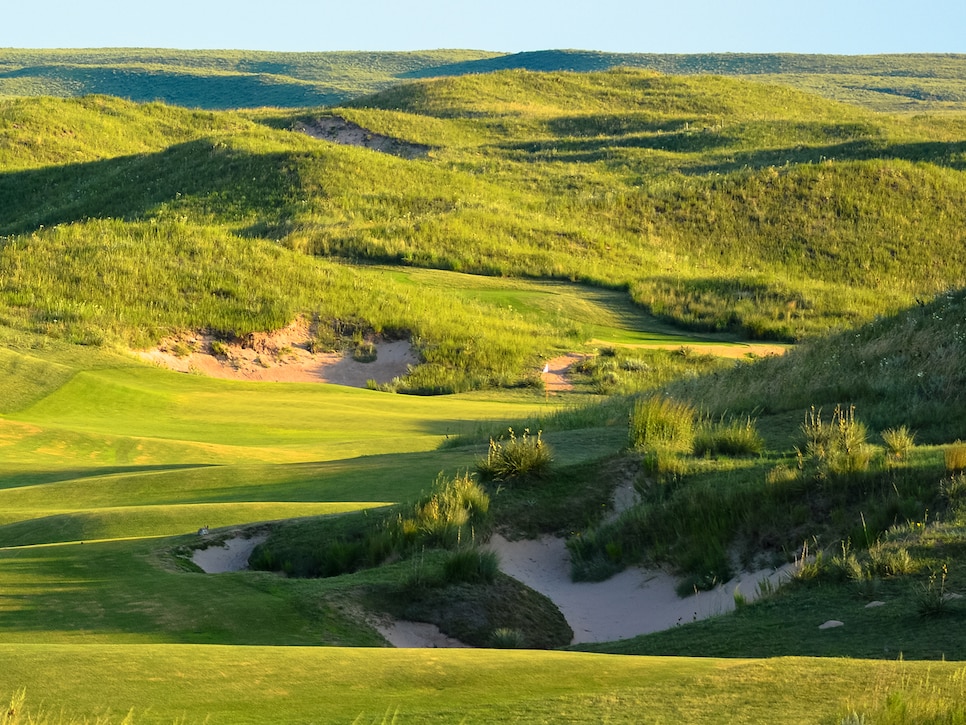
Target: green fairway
<point x="164" y="684"/>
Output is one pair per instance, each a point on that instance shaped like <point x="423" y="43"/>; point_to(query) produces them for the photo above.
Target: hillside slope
<point x="719" y="204"/>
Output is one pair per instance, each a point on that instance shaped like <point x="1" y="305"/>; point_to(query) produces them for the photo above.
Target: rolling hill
<point x="248" y="79"/>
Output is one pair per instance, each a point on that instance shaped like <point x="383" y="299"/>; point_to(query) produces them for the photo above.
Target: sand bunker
<point x="231" y="556"/>
<point x="635" y="601"/>
<point x="280" y="356"/>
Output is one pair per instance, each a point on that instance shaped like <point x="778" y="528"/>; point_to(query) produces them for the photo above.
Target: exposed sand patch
<point x="635" y="601"/>
<point x="231" y="556"/>
<point x="338" y="130"/>
<point x="280" y="356"/>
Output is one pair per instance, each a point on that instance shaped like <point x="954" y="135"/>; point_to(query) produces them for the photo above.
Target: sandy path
<point x="635" y="601"/>
<point x="556" y="373"/>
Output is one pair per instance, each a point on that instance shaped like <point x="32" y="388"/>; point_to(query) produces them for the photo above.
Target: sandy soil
<point x="232" y="556"/>
<point x="281" y="356"/>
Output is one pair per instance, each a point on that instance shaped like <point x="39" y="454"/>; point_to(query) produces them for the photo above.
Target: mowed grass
<point x="217" y="421"/>
<point x="212" y="684"/>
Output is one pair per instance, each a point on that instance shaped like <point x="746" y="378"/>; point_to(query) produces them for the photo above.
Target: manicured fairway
<point x="235" y="686"/>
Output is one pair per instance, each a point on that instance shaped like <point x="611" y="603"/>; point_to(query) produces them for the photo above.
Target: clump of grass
<point x="364" y="352"/>
<point x="471" y="565"/>
<point x="955" y="457"/>
<point x="890" y="561"/>
<point x="923" y="707"/>
<point x="662" y="423"/>
<point x="448" y="515"/>
<point x="219" y="348"/>
<point x="932" y="599"/>
<point x="729" y="438"/>
<point x="837" y="447"/>
<point x="507" y="638"/>
<point x="899" y="443"/>
<point x="182" y="349"/>
<point x="515" y="458"/>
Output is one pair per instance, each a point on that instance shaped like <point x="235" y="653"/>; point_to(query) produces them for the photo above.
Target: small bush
<point x="526" y="457"/>
<point x="899" y="443"/>
<point x="471" y="566"/>
<point x="662" y="423"/>
<point x="955" y="457"/>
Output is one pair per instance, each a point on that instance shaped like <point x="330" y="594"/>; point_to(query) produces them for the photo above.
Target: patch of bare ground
<point x="338" y="130"/>
<point x="279" y="356"/>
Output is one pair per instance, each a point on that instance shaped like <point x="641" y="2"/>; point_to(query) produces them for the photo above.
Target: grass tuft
<point x="516" y="459"/>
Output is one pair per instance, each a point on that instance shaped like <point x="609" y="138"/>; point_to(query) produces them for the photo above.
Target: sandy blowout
<point x="280" y="356"/>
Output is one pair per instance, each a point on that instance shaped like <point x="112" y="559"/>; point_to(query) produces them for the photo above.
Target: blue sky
<point x="686" y="26"/>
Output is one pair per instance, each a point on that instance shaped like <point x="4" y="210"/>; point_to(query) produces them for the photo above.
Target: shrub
<point x="662" y="423"/>
<point x="526" y="457"/>
<point x="955" y="457"/>
<point x="472" y="566"/>
<point x="899" y="442"/>
<point x="731" y="438"/>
